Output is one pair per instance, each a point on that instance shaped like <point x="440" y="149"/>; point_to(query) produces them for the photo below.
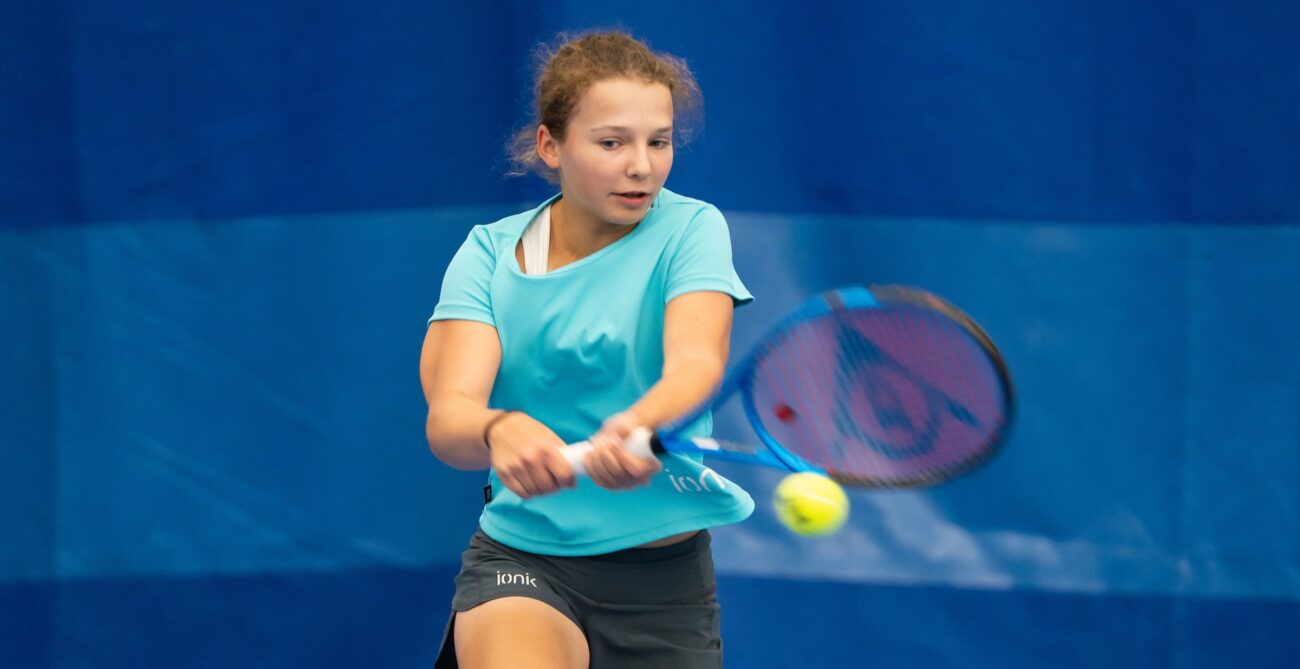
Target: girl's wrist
<point x="492" y="422"/>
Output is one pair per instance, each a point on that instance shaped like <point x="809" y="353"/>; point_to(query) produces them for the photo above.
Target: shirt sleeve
<point x="466" y="287"/>
<point x="701" y="260"/>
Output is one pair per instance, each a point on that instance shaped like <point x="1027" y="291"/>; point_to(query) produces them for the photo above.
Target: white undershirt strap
<point x="537" y="243"/>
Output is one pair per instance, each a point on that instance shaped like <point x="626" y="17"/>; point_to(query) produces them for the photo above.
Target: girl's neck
<point x="575" y="236"/>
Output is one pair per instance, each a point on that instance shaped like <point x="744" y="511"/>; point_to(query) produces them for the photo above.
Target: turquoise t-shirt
<point x="584" y="342"/>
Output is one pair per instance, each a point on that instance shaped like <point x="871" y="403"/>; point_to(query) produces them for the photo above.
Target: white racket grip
<point x="637" y="443"/>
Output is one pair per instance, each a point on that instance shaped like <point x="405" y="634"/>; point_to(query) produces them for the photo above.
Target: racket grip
<point x="575" y="453"/>
<point x="637" y="443"/>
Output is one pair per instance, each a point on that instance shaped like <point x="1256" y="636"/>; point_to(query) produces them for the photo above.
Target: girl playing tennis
<point x="606" y="308"/>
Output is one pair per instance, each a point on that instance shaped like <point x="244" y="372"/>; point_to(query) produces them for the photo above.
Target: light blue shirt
<point x="584" y="342"/>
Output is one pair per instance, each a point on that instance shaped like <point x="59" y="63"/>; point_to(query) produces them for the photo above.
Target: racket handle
<point x="637" y="443"/>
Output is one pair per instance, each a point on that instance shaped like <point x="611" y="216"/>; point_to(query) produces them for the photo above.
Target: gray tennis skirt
<point x="638" y="608"/>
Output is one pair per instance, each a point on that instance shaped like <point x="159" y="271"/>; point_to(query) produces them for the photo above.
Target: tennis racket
<point x="883" y="387"/>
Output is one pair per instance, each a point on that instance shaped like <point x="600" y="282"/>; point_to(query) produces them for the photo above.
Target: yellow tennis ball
<point x="811" y="504"/>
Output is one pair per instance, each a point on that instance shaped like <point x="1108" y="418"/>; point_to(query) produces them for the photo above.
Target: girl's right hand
<point x="526" y="456"/>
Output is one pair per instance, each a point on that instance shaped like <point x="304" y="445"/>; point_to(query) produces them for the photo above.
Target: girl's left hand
<point x="609" y="464"/>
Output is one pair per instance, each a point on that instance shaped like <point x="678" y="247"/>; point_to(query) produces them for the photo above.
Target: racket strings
<point x="880" y="395"/>
<point x="813" y="436"/>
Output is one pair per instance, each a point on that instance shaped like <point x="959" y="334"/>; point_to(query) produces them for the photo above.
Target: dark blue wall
<point x="222" y="228"/>
<point x="1088" y="111"/>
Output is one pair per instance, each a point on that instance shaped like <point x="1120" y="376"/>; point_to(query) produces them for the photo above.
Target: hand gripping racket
<point x="886" y="386"/>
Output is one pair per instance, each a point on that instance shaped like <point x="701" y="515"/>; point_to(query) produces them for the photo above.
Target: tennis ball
<point x="811" y="504"/>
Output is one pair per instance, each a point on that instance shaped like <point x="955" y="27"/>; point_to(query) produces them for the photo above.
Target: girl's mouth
<point x="633" y="197"/>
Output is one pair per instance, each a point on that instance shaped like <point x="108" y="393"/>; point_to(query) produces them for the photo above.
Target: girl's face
<point x="617" y="151"/>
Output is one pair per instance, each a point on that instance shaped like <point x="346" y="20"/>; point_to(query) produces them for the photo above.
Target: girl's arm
<point x="697" y="340"/>
<point x="458" y="365"/>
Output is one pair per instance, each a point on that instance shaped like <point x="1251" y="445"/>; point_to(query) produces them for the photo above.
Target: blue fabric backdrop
<point x="223" y="226"/>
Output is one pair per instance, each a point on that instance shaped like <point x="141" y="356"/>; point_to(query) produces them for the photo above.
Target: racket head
<point x="882" y="387"/>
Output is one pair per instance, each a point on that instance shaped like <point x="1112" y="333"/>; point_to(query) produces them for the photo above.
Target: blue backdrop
<point x="222" y="227"/>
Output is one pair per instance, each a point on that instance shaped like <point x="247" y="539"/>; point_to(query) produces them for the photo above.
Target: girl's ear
<point x="548" y="147"/>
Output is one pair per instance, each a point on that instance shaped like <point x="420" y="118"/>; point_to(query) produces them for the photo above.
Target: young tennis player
<point x="606" y="308"/>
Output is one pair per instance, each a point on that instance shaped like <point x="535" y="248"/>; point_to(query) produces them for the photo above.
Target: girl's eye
<point x="609" y="143"/>
<point x="660" y="143"/>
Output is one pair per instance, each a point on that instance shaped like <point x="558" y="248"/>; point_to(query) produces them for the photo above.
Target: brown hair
<point x="572" y="63"/>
